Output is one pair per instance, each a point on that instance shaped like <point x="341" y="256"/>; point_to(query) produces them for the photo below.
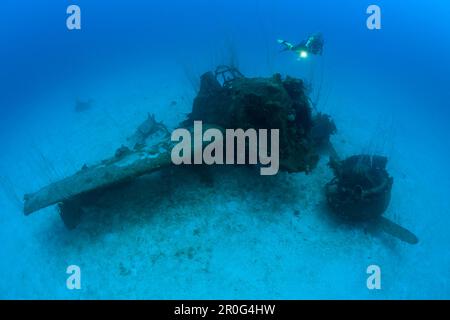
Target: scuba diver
<point x="313" y="44"/>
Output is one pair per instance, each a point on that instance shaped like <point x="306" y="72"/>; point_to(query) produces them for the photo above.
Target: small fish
<point x="81" y="106"/>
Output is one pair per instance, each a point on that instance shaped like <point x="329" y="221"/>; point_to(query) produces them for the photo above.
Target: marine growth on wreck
<point x="227" y="99"/>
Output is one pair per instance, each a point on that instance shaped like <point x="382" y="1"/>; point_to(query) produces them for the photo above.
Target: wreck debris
<point x="226" y="75"/>
<point x="226" y="99"/>
<point x="98" y="177"/>
<point x="262" y="103"/>
<point x="361" y="189"/>
<point x="122" y="152"/>
<point x="146" y="129"/>
<point x="125" y="165"/>
<point x="82" y="189"/>
<point x="361" y="192"/>
<point x="322" y="129"/>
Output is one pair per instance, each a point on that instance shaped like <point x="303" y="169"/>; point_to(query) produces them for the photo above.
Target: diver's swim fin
<point x="287" y="45"/>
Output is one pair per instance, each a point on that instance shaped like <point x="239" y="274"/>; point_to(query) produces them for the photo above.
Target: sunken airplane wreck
<point x="359" y="192"/>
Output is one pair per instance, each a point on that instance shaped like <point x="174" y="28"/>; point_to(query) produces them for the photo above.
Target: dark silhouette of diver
<point x="312" y="45"/>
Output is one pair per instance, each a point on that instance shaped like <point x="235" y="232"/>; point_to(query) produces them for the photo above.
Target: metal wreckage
<point x="359" y="192"/>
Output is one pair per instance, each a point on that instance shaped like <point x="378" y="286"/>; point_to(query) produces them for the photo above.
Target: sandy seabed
<point x="226" y="234"/>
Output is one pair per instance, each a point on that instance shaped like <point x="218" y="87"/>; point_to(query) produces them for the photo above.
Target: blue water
<point x="386" y="89"/>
